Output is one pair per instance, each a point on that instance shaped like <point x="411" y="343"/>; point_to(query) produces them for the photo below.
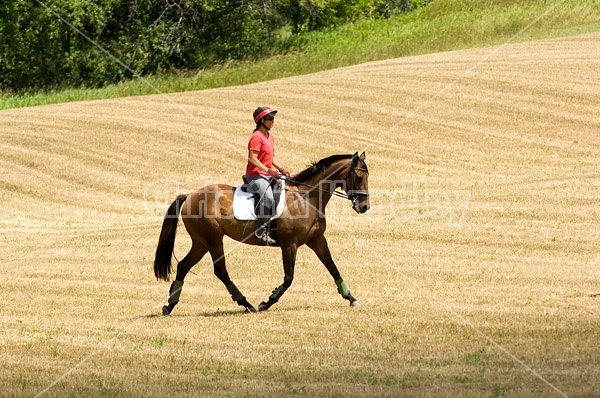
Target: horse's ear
<point x="362" y="156"/>
<point x="355" y="157"/>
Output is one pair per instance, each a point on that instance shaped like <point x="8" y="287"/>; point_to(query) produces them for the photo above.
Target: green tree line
<point x="55" y="44"/>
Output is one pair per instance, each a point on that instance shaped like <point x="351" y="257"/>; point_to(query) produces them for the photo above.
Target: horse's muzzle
<point x="360" y="206"/>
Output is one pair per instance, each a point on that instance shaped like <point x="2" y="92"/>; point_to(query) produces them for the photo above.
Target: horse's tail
<point x="166" y="241"/>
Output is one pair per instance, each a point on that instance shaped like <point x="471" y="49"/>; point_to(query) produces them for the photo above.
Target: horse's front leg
<point x="289" y="261"/>
<point x="319" y="246"/>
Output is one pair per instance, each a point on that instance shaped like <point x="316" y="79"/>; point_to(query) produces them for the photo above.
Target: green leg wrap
<point x="175" y="292"/>
<point x="236" y="295"/>
<point x="342" y="288"/>
<point x="277" y="293"/>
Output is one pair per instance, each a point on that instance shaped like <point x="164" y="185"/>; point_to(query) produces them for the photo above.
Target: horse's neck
<point x="328" y="181"/>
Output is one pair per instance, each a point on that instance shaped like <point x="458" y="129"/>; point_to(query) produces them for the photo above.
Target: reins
<point x="353" y="193"/>
<point x="335" y="193"/>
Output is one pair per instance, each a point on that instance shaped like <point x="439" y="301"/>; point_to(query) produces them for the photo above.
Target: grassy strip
<point x="441" y="26"/>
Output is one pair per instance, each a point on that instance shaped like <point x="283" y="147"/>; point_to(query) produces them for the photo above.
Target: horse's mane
<point x="315" y="168"/>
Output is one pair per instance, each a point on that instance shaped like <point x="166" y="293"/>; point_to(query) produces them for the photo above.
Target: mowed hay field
<point x="477" y="265"/>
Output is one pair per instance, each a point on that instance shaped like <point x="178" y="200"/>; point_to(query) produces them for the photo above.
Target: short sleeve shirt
<point x="265" y="146"/>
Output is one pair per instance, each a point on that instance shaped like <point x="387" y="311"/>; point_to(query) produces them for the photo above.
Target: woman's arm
<point x="280" y="168"/>
<point x="276" y="163"/>
<point x="253" y="158"/>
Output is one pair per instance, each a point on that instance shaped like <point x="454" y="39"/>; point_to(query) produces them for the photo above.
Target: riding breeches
<point x="262" y="186"/>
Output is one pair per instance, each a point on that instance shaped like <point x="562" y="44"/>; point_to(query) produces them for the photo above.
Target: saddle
<point x="244" y="202"/>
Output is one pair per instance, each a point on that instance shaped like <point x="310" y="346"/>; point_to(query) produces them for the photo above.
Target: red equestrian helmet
<point x="262" y="112"/>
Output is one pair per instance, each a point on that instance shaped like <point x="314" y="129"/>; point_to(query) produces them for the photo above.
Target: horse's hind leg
<point x="218" y="257"/>
<point x="289" y="262"/>
<point x="183" y="267"/>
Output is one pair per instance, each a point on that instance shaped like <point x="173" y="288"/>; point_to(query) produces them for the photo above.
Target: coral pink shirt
<point x="265" y="146"/>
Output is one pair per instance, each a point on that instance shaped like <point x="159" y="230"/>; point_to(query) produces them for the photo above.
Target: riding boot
<point x="261" y="230"/>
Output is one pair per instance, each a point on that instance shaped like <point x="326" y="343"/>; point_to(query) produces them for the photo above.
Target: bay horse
<point x="208" y="216"/>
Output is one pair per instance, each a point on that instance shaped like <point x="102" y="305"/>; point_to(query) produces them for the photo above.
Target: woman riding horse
<point x="208" y="215"/>
<point x="262" y="169"/>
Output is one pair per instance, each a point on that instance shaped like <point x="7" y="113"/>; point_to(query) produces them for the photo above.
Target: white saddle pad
<point x="243" y="203"/>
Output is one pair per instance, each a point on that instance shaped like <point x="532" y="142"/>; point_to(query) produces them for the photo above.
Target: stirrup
<point x="265" y="238"/>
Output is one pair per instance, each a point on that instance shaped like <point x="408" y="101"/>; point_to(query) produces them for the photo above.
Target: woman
<point x="263" y="168"/>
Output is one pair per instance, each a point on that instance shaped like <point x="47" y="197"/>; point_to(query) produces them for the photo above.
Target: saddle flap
<point x="244" y="202"/>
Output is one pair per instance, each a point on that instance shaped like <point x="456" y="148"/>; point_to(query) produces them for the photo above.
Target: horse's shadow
<point x="217" y="314"/>
<point x="205" y="314"/>
<point x="221" y="313"/>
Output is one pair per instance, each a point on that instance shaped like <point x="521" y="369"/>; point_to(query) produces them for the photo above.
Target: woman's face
<point x="269" y="122"/>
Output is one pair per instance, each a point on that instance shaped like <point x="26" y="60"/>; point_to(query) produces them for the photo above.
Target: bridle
<point x="354" y="194"/>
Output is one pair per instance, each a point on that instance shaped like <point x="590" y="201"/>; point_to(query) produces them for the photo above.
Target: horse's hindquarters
<point x="208" y="216"/>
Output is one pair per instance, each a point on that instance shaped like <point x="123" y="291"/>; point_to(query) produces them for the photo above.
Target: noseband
<point x="354" y="194"/>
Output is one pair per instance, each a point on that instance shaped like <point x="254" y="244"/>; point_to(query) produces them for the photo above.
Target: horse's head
<point x="357" y="184"/>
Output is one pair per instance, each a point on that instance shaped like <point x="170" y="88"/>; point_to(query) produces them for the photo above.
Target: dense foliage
<point x="49" y="44"/>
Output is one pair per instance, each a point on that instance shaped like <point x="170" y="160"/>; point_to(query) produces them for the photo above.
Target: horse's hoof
<point x="247" y="306"/>
<point x="167" y="309"/>
<point x="356" y="304"/>
<point x="262" y="307"/>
